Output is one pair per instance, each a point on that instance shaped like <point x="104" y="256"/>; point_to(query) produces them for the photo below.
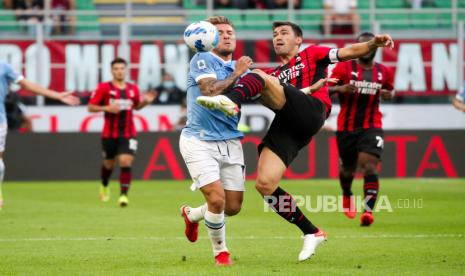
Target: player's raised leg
<point x="105" y="174"/>
<point x="368" y="165"/>
<point x="125" y="177"/>
<point x="270" y="171"/>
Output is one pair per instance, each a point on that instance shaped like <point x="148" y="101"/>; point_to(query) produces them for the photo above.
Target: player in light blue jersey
<point x="7" y="77"/>
<point x="459" y="100"/>
<point x="210" y="142"/>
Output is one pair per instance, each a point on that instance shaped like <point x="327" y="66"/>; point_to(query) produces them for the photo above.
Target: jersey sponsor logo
<point x="124" y="104"/>
<point x="291" y="73"/>
<point x="366" y="87"/>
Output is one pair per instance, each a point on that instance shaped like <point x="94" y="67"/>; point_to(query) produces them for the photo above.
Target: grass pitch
<point x="62" y="229"/>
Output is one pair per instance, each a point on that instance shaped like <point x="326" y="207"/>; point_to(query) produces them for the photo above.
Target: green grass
<point x="62" y="229"/>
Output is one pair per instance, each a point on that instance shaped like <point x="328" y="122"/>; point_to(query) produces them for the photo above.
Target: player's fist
<point x="348" y="88"/>
<point x="387" y="94"/>
<point x="150" y="96"/>
<point x="383" y="40"/>
<point x="112" y="108"/>
<point x="242" y="65"/>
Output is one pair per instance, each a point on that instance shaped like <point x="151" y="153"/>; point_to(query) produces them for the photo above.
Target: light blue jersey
<point x="7" y="76"/>
<point x="205" y="124"/>
<point x="461" y="94"/>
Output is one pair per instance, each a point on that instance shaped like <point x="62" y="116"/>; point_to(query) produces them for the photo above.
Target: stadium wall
<point x="74" y="156"/>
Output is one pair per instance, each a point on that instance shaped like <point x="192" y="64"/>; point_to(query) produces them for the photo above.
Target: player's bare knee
<point x="264" y="185"/>
<point x="232" y="210"/>
<point x="369" y="168"/>
<point x="108" y="164"/>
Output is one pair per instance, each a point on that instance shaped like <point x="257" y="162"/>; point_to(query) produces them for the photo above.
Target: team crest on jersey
<point x="113" y="93"/>
<point x="380" y="76"/>
<point x="131" y="93"/>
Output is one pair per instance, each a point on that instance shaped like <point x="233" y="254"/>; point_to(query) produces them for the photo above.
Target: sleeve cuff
<point x="205" y="76"/>
<point x="459" y="97"/>
<point x="19" y="78"/>
<point x="333" y="55"/>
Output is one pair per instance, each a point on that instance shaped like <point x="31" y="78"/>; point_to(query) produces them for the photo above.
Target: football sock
<point x="125" y="177"/>
<point x="370" y="189"/>
<point x="2" y="173"/>
<point x="285" y="206"/>
<point x="197" y="214"/>
<point x="216" y="231"/>
<point x="346" y="184"/>
<point x="105" y="175"/>
<point x="247" y="89"/>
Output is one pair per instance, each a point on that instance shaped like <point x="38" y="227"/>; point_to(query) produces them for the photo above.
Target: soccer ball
<point x="201" y="36"/>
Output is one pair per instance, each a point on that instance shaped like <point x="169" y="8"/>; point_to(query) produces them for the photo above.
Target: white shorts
<point x="209" y="161"/>
<point x="3" y="131"/>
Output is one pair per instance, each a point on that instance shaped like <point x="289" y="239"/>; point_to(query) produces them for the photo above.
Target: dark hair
<point x="119" y="60"/>
<point x="216" y="20"/>
<point x="365" y="34"/>
<point x="297" y="30"/>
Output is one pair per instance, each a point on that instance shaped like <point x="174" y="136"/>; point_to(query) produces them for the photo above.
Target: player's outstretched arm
<point x="361" y="49"/>
<point x="213" y="87"/>
<point x="64" y="97"/>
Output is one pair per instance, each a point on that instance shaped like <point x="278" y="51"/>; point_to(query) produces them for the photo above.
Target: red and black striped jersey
<point x="360" y="110"/>
<point x="121" y="124"/>
<point x="306" y="68"/>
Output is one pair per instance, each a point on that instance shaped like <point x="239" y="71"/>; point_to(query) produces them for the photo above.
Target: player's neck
<point x="227" y="57"/>
<point x="286" y="58"/>
<point x="121" y="84"/>
<point x="366" y="64"/>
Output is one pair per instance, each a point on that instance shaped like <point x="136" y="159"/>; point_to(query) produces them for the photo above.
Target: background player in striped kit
<point x="117" y="99"/>
<point x="359" y="129"/>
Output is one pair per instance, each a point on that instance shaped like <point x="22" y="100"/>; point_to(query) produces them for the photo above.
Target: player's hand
<point x="150" y="96"/>
<point x="383" y="40"/>
<point x="386" y="95"/>
<point x="242" y="65"/>
<point x="347" y="89"/>
<point x="321" y="83"/>
<point x="112" y="108"/>
<point x="68" y="98"/>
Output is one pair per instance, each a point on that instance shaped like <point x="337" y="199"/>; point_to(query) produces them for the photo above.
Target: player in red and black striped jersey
<point x="117" y="99"/>
<point x="361" y="84"/>
<point x="296" y="91"/>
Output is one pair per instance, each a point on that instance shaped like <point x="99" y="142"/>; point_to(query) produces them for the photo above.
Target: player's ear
<point x="299" y="40"/>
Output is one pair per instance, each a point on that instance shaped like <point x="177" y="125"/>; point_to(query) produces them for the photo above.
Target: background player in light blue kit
<point x="210" y="142"/>
<point x="7" y="77"/>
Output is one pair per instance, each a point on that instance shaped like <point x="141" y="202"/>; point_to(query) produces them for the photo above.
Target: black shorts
<point x="294" y="125"/>
<point x="111" y="147"/>
<point x="350" y="143"/>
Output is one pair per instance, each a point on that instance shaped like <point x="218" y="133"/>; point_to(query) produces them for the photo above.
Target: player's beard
<point x="225" y="52"/>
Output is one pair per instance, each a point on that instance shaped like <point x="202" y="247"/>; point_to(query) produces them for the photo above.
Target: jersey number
<point x="380" y="143"/>
<point x="133" y="144"/>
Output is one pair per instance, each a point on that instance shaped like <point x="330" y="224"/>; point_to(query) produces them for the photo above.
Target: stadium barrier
<point x="72" y="156"/>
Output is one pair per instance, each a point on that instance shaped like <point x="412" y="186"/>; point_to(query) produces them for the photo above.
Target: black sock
<point x="247" y="89"/>
<point x="105" y="175"/>
<point x="285" y="206"/>
<point x="346" y="184"/>
<point x="370" y="189"/>
<point x="125" y="178"/>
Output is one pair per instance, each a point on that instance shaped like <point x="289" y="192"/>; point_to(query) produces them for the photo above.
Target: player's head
<point x="118" y="69"/>
<point x="287" y="38"/>
<point x="364" y="37"/>
<point x="227" y="43"/>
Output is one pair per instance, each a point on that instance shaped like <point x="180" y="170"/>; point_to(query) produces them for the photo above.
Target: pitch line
<point x="382" y="236"/>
